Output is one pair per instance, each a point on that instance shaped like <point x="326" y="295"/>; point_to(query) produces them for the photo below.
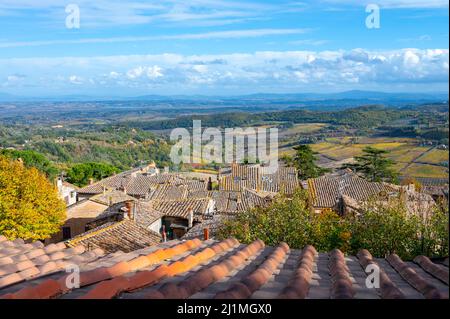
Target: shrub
<point x="382" y="228"/>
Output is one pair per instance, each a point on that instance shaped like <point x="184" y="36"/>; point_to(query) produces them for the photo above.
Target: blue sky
<point x="140" y="47"/>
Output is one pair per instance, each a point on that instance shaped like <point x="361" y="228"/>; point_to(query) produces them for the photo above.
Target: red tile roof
<point x="229" y="269"/>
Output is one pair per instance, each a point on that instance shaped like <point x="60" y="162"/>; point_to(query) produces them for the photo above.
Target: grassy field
<point x="410" y="159"/>
<point x="434" y="157"/>
<point x="305" y="128"/>
<point x="342" y="148"/>
<point x="424" y="170"/>
<point x="407" y="153"/>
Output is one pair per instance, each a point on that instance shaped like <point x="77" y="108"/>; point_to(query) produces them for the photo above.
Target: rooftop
<point x="326" y="190"/>
<point x="228" y="270"/>
<point x="125" y="236"/>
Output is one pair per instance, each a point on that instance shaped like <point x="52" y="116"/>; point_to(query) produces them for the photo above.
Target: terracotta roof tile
<point x="415" y="280"/>
<point x="436" y="270"/>
<point x="298" y="286"/>
<point x="226" y="269"/>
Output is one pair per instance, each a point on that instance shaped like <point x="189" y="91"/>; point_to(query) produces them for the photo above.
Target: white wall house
<point x="67" y="192"/>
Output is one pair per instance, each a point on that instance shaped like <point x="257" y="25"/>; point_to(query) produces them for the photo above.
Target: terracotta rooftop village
<point x="151" y="234"/>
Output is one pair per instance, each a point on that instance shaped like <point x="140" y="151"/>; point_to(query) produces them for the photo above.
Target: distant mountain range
<point x="320" y="99"/>
<point x="354" y="94"/>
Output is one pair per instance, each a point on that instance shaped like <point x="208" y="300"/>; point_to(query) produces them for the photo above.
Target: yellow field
<point x="406" y="153"/>
<point x="340" y="148"/>
<point x="403" y="151"/>
<point x="424" y="170"/>
<point x="205" y="171"/>
<point x="305" y="128"/>
<point x="434" y="157"/>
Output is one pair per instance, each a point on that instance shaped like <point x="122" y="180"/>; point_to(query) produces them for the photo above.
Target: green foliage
<point x="435" y="232"/>
<point x="382" y="228"/>
<point x="30" y="207"/>
<point x="290" y="220"/>
<point x="360" y="117"/>
<point x="374" y="165"/>
<point x="81" y="174"/>
<point x="33" y="159"/>
<point x="304" y="160"/>
<point x="385" y="229"/>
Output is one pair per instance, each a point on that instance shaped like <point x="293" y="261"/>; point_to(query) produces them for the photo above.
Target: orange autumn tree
<point x="30" y="207"/>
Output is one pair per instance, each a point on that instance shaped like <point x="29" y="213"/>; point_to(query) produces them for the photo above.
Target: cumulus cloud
<point x="152" y="72"/>
<point x="239" y="73"/>
<point x="74" y="79"/>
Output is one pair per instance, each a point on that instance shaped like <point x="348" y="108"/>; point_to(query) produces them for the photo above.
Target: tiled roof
<point x="251" y="199"/>
<point x="170" y="192"/>
<point x="258" y="178"/>
<point x="111" y="198"/>
<point x="326" y="190"/>
<point x="231" y="270"/>
<point x="145" y="214"/>
<point x="134" y="182"/>
<point x="125" y="236"/>
<point x="22" y="262"/>
<point x="212" y="224"/>
<point x="86" y="209"/>
<point x="141" y="185"/>
<point x="181" y="208"/>
<point x="114" y="182"/>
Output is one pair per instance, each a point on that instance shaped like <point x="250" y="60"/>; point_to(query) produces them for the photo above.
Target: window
<point x="66" y="233"/>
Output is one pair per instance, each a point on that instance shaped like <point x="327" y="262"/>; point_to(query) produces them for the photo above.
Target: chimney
<point x="191" y="218"/>
<point x="91" y="181"/>
<point x="130" y="206"/>
<point x="59" y="183"/>
<point x="205" y="233"/>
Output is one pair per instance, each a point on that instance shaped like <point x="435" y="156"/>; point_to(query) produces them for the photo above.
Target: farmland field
<point x="410" y="158"/>
<point x="424" y="170"/>
<point x="434" y="157"/>
<point x="406" y="153"/>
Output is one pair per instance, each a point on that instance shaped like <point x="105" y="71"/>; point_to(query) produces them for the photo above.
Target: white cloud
<point x="135" y="73"/>
<point x="74" y="79"/>
<point x="15" y="78"/>
<point x="125" y="12"/>
<point x="154" y="72"/>
<point x="113" y="75"/>
<point x="260" y="71"/>
<point x="235" y="34"/>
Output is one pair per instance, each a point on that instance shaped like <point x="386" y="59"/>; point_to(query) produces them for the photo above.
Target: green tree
<point x="30" y="207"/>
<point x="385" y="228"/>
<point x="80" y="174"/>
<point x="381" y="227"/>
<point x="374" y="165"/>
<point x="288" y="219"/>
<point x="305" y="162"/>
<point x="435" y="232"/>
